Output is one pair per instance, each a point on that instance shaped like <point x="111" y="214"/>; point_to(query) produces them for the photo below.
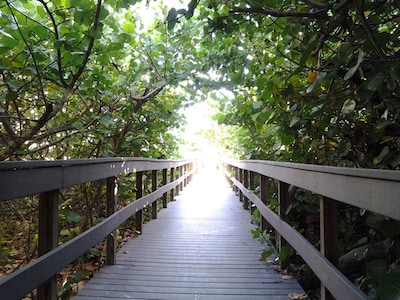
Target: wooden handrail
<point x="19" y="179"/>
<point x="357" y="187"/>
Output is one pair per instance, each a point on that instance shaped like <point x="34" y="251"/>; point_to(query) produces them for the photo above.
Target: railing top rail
<point x="345" y="171"/>
<point x="33" y="164"/>
<point x="25" y="178"/>
<point x="363" y="188"/>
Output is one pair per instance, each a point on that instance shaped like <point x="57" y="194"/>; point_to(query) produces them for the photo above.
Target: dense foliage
<point x="314" y="82"/>
<point x="305" y="81"/>
<point x="77" y="79"/>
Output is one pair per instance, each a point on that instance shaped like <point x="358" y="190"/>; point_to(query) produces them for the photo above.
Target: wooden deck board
<point x="200" y="247"/>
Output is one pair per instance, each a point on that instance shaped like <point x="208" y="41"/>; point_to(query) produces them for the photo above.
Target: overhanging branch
<point x="319" y="15"/>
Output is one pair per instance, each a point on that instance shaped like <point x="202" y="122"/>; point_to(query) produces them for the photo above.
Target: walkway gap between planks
<point x="200" y="247"/>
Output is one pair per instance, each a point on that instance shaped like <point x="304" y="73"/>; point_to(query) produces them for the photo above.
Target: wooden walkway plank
<point x="200" y="247"/>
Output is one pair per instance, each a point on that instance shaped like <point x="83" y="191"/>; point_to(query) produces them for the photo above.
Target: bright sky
<point x="198" y="115"/>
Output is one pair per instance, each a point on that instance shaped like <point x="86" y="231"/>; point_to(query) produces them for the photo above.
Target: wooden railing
<point x="46" y="178"/>
<point x="374" y="190"/>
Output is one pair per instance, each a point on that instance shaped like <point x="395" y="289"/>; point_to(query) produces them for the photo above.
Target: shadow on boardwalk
<point x="200" y="247"/>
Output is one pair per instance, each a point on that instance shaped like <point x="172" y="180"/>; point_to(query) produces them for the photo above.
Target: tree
<point x="314" y="82"/>
<point x="75" y="75"/>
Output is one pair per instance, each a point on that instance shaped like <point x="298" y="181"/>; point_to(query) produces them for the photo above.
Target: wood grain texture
<point x="199" y="248"/>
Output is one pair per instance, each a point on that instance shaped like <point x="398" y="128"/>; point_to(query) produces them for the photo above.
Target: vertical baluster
<point x="283" y="197"/>
<point x="246" y="185"/>
<point x="241" y="181"/>
<point x="180" y="175"/>
<point x="235" y="188"/>
<point x="172" y="178"/>
<point x="154" y="182"/>
<point x="48" y="238"/>
<point x="164" y="182"/>
<point x="185" y="172"/>
<point x="264" y="199"/>
<point x="111" y="244"/>
<point x="328" y="235"/>
<point x="139" y="194"/>
<point x="252" y="187"/>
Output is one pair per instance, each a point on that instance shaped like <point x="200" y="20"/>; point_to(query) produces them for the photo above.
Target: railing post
<point x="139" y="194"/>
<point x="283" y="198"/>
<point x="154" y="182"/>
<point x="241" y="181"/>
<point x="164" y="182"/>
<point x="264" y="199"/>
<point x="180" y="175"/>
<point x="48" y="238"/>
<point x="252" y="186"/>
<point x="111" y="245"/>
<point x="172" y="178"/>
<point x="187" y="170"/>
<point x="246" y="185"/>
<point x="235" y="188"/>
<point x="328" y="235"/>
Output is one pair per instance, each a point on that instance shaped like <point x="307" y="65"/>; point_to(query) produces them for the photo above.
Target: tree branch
<point x="320" y="15"/>
<point x="148" y="95"/>
<point x="57" y="36"/>
<point x="316" y="4"/>
<point x="90" y="46"/>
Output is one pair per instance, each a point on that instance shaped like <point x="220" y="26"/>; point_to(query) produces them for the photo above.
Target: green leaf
<point x="389" y="286"/>
<point x="376" y="82"/>
<point x="351" y="72"/>
<point x="73" y="217"/>
<point x="2" y="32"/>
<point x="382" y="155"/>
<point x="11" y="96"/>
<point x="376" y="268"/>
<point x="294" y="120"/>
<point x="348" y="106"/>
<point x="128" y="27"/>
<point x="321" y="76"/>
<point x="172" y="18"/>
<point x="257" y="105"/>
<point x="285" y="253"/>
<point x="267" y="253"/>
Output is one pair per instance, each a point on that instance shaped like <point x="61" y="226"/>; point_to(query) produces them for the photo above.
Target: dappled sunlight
<point x="206" y="194"/>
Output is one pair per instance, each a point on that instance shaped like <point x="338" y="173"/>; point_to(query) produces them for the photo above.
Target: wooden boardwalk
<point x="200" y="247"/>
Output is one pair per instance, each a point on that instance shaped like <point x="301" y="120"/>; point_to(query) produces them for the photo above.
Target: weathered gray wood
<point x="139" y="194"/>
<point x="264" y="199"/>
<point x="246" y="183"/>
<point x="52" y="175"/>
<point x="172" y="178"/>
<point x="284" y="201"/>
<point x="164" y="182"/>
<point x="111" y="243"/>
<point x="331" y="277"/>
<point x="48" y="238"/>
<point x="154" y="182"/>
<point x="328" y="236"/>
<point x="24" y="280"/>
<point x="358" y="187"/>
<point x="199" y="248"/>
